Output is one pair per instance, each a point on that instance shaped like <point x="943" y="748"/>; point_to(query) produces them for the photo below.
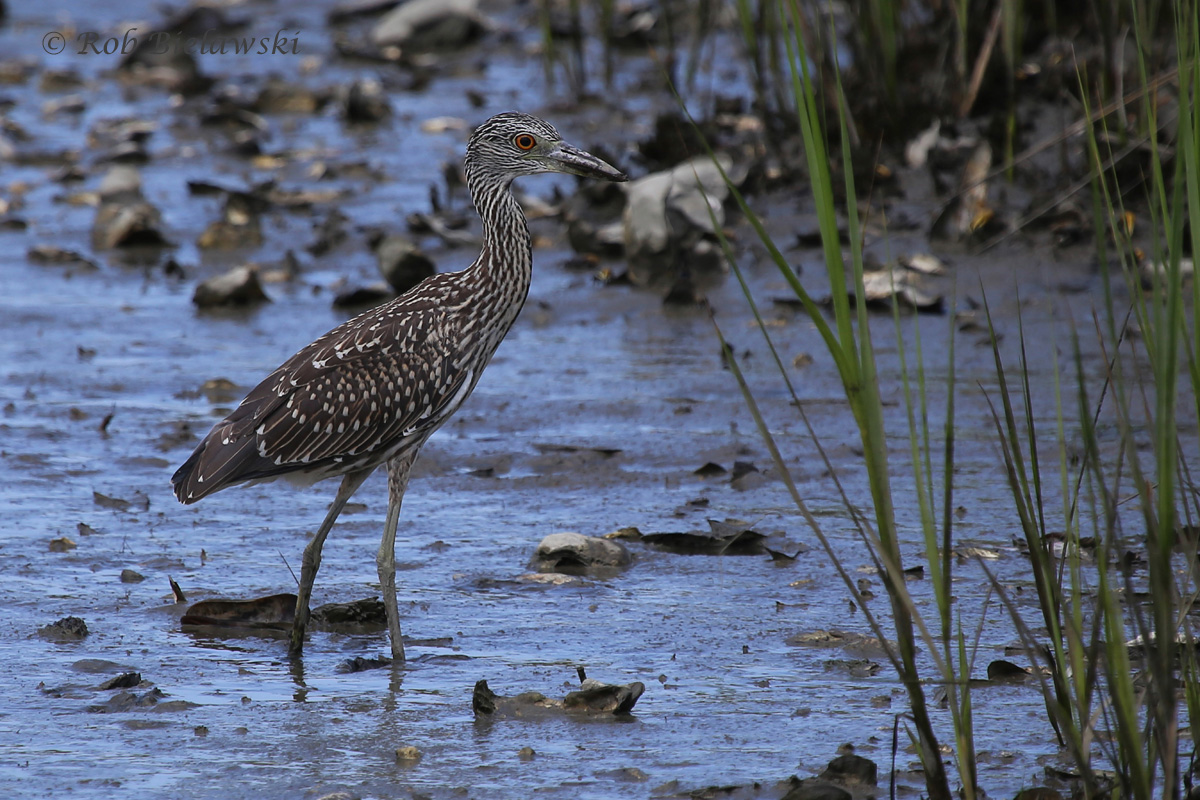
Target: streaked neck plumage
<point x="505" y="264"/>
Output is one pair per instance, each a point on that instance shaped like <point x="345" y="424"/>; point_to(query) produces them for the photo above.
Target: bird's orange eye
<point x="524" y="141"/>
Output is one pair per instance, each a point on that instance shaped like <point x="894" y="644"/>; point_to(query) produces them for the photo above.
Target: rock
<point x="855" y="644"/>
<point x="127" y="701"/>
<point x="1046" y="793"/>
<point x="51" y="254"/>
<point x="407" y="756"/>
<point x="238" y="227"/>
<point x="357" y="297"/>
<point x="360" y="615"/>
<point x="237" y="287"/>
<point x="814" y="789"/>
<point x="330" y="233"/>
<point x="1154" y="272"/>
<point x="126" y="680"/>
<point x="607" y="240"/>
<point x="122" y="140"/>
<point x="667" y="216"/>
<point x="131" y="576"/>
<point x="401" y="262"/>
<point x="851" y="769"/>
<point x="675" y="139"/>
<point x="366" y="102"/>
<point x="902" y="286"/>
<point x="169" y="67"/>
<point x="161" y="56"/>
<point x="430" y="25"/>
<point x="67" y="629"/>
<point x="123" y="217"/>
<point x="1002" y="671"/>
<point x="127" y="223"/>
<point x="95" y="666"/>
<point x="120" y="181"/>
<point x="361" y="664"/>
<point x="281" y="97"/>
<point x="62" y="544"/>
<point x="574" y="553"/>
<point x="347" y="10"/>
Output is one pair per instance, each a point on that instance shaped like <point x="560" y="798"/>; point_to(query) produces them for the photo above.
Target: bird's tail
<point x="216" y="463"/>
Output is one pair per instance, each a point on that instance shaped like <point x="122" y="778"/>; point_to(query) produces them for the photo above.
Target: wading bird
<point x="373" y="390"/>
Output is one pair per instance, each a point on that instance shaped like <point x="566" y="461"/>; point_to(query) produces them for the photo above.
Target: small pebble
<point x="526" y="753"/>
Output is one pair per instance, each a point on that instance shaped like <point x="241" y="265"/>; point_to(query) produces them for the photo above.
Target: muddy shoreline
<point x="600" y="411"/>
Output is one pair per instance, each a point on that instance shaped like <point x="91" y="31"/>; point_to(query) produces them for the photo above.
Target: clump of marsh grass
<point x="1110" y="650"/>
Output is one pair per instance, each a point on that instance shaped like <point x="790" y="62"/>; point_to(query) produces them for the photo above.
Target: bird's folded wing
<point x="352" y="394"/>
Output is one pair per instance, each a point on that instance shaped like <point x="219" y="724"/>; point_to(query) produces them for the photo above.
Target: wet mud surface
<point x="600" y="411"/>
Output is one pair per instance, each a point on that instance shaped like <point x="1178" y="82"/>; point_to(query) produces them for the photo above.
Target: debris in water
<point x="52" y="254"/>
<point x="104" y="501"/>
<point x="272" y="612"/>
<point x="1001" y="671"/>
<point x="592" y="697"/>
<point x="729" y="538"/>
<point x="67" y="629"/>
<point x="62" y="544"/>
<point x="408" y="756"/>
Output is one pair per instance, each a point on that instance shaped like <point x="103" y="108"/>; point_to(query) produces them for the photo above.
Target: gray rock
<point x="430" y="25"/>
<point x="573" y="553"/>
<point x="124" y="218"/>
<point x="120" y="180"/>
<point x="237" y="287"/>
<point x="121" y="224"/>
<point x="668" y="215"/>
<point x="401" y="262"/>
<point x="366" y="102"/>
<point x="903" y="286"/>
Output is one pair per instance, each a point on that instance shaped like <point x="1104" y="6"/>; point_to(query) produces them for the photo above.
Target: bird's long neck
<point x="505" y="264"/>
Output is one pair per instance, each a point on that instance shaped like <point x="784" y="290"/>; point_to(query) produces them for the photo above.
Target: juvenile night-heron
<point x="373" y="390"/>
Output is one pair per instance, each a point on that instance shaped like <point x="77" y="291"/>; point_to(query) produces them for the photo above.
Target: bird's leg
<point x="312" y="559"/>
<point x="397" y="470"/>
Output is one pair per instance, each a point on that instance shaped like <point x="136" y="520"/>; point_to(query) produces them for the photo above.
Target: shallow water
<point x="727" y="700"/>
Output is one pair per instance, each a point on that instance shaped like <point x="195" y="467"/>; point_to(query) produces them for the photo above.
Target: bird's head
<point x="512" y="144"/>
